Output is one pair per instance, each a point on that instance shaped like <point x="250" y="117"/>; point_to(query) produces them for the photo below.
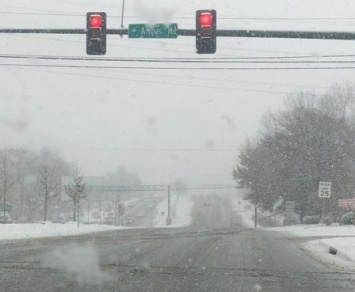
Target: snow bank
<point x="37" y="230"/>
<point x="342" y="240"/>
<point x="345" y="247"/>
<point x="316" y="230"/>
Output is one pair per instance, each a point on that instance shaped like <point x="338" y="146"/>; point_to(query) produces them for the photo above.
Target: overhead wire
<point x="184" y="76"/>
<point x="174" y="68"/>
<point x="163" y="82"/>
<point x="218" y="60"/>
<point x="217" y="187"/>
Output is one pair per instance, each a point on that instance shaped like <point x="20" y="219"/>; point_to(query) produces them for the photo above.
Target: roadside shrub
<point x="314" y="219"/>
<point x="292" y="220"/>
<point x="347" y="218"/>
<point x="331" y="218"/>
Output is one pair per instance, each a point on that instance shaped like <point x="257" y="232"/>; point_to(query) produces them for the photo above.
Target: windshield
<point x="177" y="145"/>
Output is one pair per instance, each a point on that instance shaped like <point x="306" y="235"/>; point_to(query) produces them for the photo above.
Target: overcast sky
<point x="165" y="124"/>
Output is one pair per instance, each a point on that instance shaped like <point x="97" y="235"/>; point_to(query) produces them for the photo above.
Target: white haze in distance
<point x="148" y="10"/>
<point x="78" y="261"/>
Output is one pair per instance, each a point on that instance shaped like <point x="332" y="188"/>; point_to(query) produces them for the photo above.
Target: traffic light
<point x="206" y="31"/>
<point x="96" y="33"/>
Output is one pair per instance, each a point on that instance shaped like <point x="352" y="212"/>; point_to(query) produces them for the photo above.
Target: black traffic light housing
<point x="206" y="31"/>
<point x="96" y="33"/>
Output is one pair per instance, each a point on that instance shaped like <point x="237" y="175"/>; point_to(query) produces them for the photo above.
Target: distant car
<point x="128" y="221"/>
<point x="140" y="214"/>
<point x="109" y="220"/>
<point x="130" y="204"/>
<point x="313" y="219"/>
<point x="150" y="206"/>
<point x="59" y="221"/>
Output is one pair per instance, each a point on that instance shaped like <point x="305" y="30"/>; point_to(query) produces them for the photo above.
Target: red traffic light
<point x="95" y="21"/>
<point x="206" y="19"/>
<point x="206" y="31"/>
<point x="96" y="33"/>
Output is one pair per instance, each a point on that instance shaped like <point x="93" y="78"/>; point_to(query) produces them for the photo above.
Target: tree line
<point x="32" y="185"/>
<point x="311" y="139"/>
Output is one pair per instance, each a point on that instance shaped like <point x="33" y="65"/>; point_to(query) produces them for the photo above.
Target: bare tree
<point x="77" y="190"/>
<point x="49" y="177"/>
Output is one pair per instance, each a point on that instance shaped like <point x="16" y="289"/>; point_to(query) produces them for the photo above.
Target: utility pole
<point x="122" y="17"/>
<point x="78" y="213"/>
<point x="5" y="187"/>
<point x="88" y="210"/>
<point x="100" y="207"/>
<point x="168" y="220"/>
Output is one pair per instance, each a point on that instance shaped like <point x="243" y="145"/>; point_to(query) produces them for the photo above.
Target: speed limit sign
<point x="324" y="189"/>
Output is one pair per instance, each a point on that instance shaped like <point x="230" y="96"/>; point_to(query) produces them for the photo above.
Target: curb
<point x="336" y="252"/>
<point x="333" y="250"/>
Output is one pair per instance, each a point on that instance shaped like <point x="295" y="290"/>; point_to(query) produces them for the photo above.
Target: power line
<point x="174" y="68"/>
<point x="123" y="149"/>
<point x="163" y="83"/>
<point x="187" y="84"/>
<point x="217" y="60"/>
<point x="163" y="187"/>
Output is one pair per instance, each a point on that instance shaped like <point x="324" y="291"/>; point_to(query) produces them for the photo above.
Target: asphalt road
<point x="214" y="254"/>
<point x="148" y="214"/>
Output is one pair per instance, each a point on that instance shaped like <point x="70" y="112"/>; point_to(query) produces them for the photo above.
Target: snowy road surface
<point x="215" y="253"/>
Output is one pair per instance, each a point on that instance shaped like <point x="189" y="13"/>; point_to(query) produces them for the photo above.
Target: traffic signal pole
<point x="220" y="33"/>
<point x="205" y="32"/>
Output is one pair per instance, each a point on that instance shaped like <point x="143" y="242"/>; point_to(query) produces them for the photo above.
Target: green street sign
<point x="153" y="31"/>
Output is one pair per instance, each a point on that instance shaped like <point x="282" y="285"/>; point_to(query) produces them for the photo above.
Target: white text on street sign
<point x="153" y="31"/>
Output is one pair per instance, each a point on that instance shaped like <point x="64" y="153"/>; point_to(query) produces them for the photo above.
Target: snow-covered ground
<point x="316" y="230"/>
<point x="180" y="207"/>
<point x="25" y="231"/>
<point x="339" y="238"/>
<point x="345" y="246"/>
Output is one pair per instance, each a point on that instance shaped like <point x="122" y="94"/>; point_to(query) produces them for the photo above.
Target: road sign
<point x="290" y="209"/>
<point x="324" y="189"/>
<point x="153" y="31"/>
<point x="290" y="204"/>
<point x="346" y="203"/>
